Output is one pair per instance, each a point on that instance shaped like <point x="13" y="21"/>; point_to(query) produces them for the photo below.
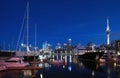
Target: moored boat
<point x="15" y="62"/>
<point x="30" y="57"/>
<point x="91" y="56"/>
<point x="6" y="53"/>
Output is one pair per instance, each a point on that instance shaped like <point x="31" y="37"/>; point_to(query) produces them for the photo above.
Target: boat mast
<point x="35" y="37"/>
<point x="27" y="27"/>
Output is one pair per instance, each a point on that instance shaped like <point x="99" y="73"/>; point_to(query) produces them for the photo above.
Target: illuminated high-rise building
<point x="69" y="42"/>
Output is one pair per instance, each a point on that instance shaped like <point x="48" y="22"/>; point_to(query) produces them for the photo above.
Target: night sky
<point x="58" y="20"/>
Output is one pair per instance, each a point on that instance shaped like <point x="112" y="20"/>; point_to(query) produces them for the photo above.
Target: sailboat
<point x="30" y="55"/>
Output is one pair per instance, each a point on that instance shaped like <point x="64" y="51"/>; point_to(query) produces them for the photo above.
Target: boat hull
<point x="7" y="54"/>
<point x="92" y="56"/>
<point x="30" y="58"/>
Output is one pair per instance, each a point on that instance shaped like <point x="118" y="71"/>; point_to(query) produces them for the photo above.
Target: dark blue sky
<point x="58" y="20"/>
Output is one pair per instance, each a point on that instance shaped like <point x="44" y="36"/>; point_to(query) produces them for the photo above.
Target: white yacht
<point x="15" y="62"/>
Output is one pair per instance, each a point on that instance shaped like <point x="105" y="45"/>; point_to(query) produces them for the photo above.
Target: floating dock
<point x="24" y="68"/>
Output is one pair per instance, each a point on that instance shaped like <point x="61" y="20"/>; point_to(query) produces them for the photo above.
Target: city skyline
<point x="57" y="21"/>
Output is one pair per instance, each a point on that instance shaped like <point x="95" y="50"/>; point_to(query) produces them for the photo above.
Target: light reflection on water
<point x="71" y="68"/>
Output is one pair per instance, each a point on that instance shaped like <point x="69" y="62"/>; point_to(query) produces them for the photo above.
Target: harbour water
<point x="71" y="68"/>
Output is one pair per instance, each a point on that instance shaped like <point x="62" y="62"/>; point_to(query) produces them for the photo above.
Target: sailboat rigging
<point x="29" y="54"/>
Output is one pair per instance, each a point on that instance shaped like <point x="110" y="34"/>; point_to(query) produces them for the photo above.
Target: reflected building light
<point x="108" y="71"/>
<point x="27" y="73"/>
<point x="57" y="57"/>
<point x="65" y="51"/>
<point x="102" y="64"/>
<point x="41" y="57"/>
<point x="93" y="73"/>
<point x="65" y="58"/>
<point x="70" y="68"/>
<point x="40" y="65"/>
<point x="70" y="59"/>
<point x="75" y="60"/>
<point x="81" y="64"/>
<point x="53" y="57"/>
<point x="47" y="65"/>
<point x="115" y="65"/>
<point x="108" y="76"/>
<point x="97" y="66"/>
<point x="63" y="66"/>
<point x="41" y="76"/>
<point x="61" y="57"/>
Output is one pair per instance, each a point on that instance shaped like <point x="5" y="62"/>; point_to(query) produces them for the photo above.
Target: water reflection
<point x="41" y="75"/>
<point x="27" y="73"/>
<point x="108" y="69"/>
<point x="71" y="67"/>
<point x="93" y="73"/>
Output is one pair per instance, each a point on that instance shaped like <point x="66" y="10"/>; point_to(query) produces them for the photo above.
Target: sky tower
<point x="108" y="32"/>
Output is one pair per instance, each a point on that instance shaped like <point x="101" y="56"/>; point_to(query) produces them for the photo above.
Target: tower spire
<point x="108" y="32"/>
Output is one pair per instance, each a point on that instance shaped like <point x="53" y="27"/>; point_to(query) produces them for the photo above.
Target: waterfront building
<point x="44" y="46"/>
<point x="69" y="42"/>
<point x="66" y="48"/>
<point x="58" y="46"/>
<point x="116" y="46"/>
<point x="69" y="46"/>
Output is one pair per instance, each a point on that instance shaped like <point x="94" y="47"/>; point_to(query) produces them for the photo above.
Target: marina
<point x="59" y="39"/>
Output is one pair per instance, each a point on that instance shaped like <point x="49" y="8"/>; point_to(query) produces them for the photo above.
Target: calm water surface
<point x="71" y="68"/>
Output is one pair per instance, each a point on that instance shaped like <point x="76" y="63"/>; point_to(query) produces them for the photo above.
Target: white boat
<point x="15" y="62"/>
